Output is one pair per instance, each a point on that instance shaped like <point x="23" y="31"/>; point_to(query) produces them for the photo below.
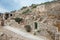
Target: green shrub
<point x="23" y="8"/>
<point x="33" y="5"/>
<point x="26" y="11"/>
<point x="18" y="20"/>
<point x="47" y="2"/>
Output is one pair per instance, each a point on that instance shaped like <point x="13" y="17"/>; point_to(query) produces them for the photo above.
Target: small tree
<point x="18" y="20"/>
<point x="28" y="28"/>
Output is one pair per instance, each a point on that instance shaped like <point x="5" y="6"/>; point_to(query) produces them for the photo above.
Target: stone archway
<point x="6" y="16"/>
<point x="36" y="25"/>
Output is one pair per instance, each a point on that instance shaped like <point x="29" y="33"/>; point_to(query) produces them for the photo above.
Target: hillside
<point x="49" y="10"/>
<point x="38" y="19"/>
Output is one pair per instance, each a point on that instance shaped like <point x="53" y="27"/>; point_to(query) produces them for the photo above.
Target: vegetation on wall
<point x="23" y="8"/>
<point x="33" y="5"/>
<point x="26" y="11"/>
<point x="47" y="2"/>
<point x="18" y="20"/>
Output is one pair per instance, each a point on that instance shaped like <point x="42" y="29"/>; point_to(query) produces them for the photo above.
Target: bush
<point x="23" y="8"/>
<point x="26" y="11"/>
<point x="28" y="28"/>
<point x="33" y="5"/>
<point x="18" y="20"/>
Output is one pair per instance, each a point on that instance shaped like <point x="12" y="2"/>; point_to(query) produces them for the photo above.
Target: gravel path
<point x="24" y="34"/>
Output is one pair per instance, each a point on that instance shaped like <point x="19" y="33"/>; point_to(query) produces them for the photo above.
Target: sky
<point x="9" y="5"/>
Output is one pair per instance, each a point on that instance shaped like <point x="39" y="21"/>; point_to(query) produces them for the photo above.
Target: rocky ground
<point x="10" y="33"/>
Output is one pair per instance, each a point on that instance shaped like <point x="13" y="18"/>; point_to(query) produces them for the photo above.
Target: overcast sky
<point x="9" y="5"/>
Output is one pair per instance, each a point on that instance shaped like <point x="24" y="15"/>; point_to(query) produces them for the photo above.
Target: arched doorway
<point x="6" y="16"/>
<point x="36" y="25"/>
<point x="28" y="28"/>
